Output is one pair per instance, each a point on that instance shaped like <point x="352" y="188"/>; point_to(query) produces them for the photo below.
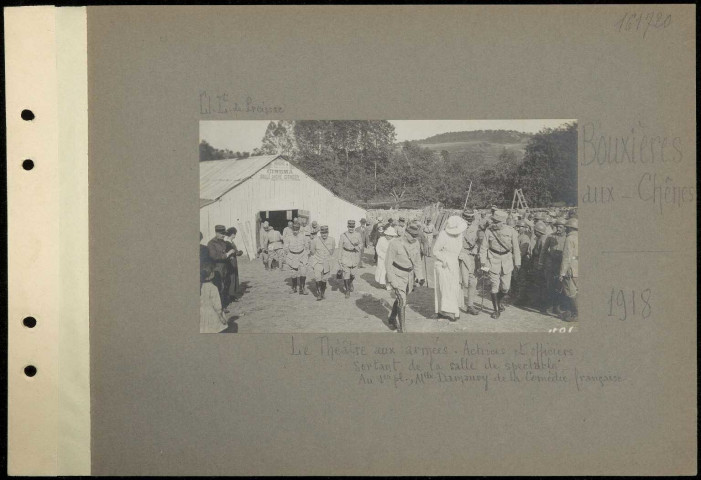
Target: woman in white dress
<point x="381" y="249"/>
<point x="446" y="270"/>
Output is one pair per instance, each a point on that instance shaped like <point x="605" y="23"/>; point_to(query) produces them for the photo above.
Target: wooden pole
<point x="468" y="195"/>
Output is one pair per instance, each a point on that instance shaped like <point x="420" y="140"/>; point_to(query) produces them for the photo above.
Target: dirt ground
<point x="266" y="305"/>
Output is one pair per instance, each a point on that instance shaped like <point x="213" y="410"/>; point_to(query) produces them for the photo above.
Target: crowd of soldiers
<point x="538" y="249"/>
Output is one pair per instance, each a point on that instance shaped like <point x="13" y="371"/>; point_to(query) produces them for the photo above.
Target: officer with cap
<point x="349" y="244"/>
<point x="322" y="249"/>
<point x="217" y="248"/>
<point x="552" y="253"/>
<point x="466" y="257"/>
<point x="404" y="268"/>
<point x="500" y="255"/>
<point x="296" y="256"/>
<point x="569" y="269"/>
<point x="273" y="247"/>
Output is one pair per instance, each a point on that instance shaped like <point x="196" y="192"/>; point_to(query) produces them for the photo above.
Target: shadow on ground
<point x="374" y="306"/>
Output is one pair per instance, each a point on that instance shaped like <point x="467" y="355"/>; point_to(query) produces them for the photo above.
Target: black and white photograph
<point x="321" y="226"/>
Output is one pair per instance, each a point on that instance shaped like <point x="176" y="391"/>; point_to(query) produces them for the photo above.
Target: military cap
<point x="499" y="216"/>
<point x="572" y="223"/>
<point x="413" y="229"/>
<point x="231" y="231"/>
<point x="315" y="224"/>
<point x="351" y="223"/>
<point x="220" y="229"/>
<point x="295" y="227"/>
<point x="402" y="220"/>
<point x="539" y="227"/>
<point x="363" y="221"/>
<point x="324" y="229"/>
<point x="560" y="221"/>
<point x="468" y="214"/>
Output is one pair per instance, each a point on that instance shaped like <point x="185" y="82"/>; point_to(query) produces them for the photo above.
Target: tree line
<point x="360" y="160"/>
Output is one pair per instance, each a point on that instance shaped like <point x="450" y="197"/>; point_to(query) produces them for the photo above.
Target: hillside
<point x="480" y="146"/>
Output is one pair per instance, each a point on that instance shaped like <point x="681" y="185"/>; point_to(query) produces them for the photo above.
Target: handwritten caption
<point x="642" y="22"/>
<point x="624" y="304"/>
<point x="222" y="103"/>
<point x="638" y="147"/>
<point x="464" y="364"/>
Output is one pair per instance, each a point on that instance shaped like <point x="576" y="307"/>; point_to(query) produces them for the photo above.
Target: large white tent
<point x="242" y="193"/>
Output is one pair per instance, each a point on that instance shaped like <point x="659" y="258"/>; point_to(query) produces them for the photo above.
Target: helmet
<point x="539" y="227"/>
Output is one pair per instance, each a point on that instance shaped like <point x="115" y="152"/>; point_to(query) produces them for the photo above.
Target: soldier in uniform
<point x="220" y="258"/>
<point x="401" y="226"/>
<point x="569" y="269"/>
<point x="362" y="231"/>
<point x="287" y="231"/>
<point x="314" y="230"/>
<point x="261" y="239"/>
<point x="273" y="247"/>
<point x="404" y="268"/>
<point x="552" y="252"/>
<point x="375" y="235"/>
<point x="427" y="237"/>
<point x="297" y="257"/>
<point x="322" y="249"/>
<point x="525" y="245"/>
<point x="500" y="255"/>
<point x="466" y="258"/>
<point x="535" y="267"/>
<point x="349" y="248"/>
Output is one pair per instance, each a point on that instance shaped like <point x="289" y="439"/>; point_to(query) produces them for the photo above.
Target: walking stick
<point x="468" y="195"/>
<point x="426" y="270"/>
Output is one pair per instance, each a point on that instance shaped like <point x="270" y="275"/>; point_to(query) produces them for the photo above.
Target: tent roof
<point x="220" y="176"/>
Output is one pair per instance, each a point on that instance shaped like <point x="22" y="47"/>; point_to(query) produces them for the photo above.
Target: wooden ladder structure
<point x="519" y="201"/>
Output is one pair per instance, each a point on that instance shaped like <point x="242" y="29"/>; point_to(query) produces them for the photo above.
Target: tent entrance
<point x="276" y="218"/>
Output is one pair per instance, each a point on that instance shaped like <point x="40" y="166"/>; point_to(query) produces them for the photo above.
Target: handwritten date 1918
<point x="641" y="22"/>
<point x="624" y="304"/>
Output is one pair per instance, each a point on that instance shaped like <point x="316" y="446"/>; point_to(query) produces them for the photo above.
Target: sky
<point x="245" y="135"/>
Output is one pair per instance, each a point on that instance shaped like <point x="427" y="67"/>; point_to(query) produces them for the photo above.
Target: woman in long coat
<point x="381" y="249"/>
<point x="233" y="270"/>
<point x="448" y="292"/>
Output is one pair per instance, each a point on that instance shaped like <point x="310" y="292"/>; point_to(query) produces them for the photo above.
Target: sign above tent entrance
<point x="279" y="170"/>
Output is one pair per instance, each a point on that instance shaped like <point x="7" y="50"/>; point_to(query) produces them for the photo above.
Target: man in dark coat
<point x="220" y="257"/>
<point x="233" y="267"/>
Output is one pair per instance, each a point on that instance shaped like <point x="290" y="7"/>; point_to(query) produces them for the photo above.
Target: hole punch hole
<point x="28" y="164"/>
<point x="30" y="370"/>
<point x="29" y="322"/>
<point x="27" y="115"/>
